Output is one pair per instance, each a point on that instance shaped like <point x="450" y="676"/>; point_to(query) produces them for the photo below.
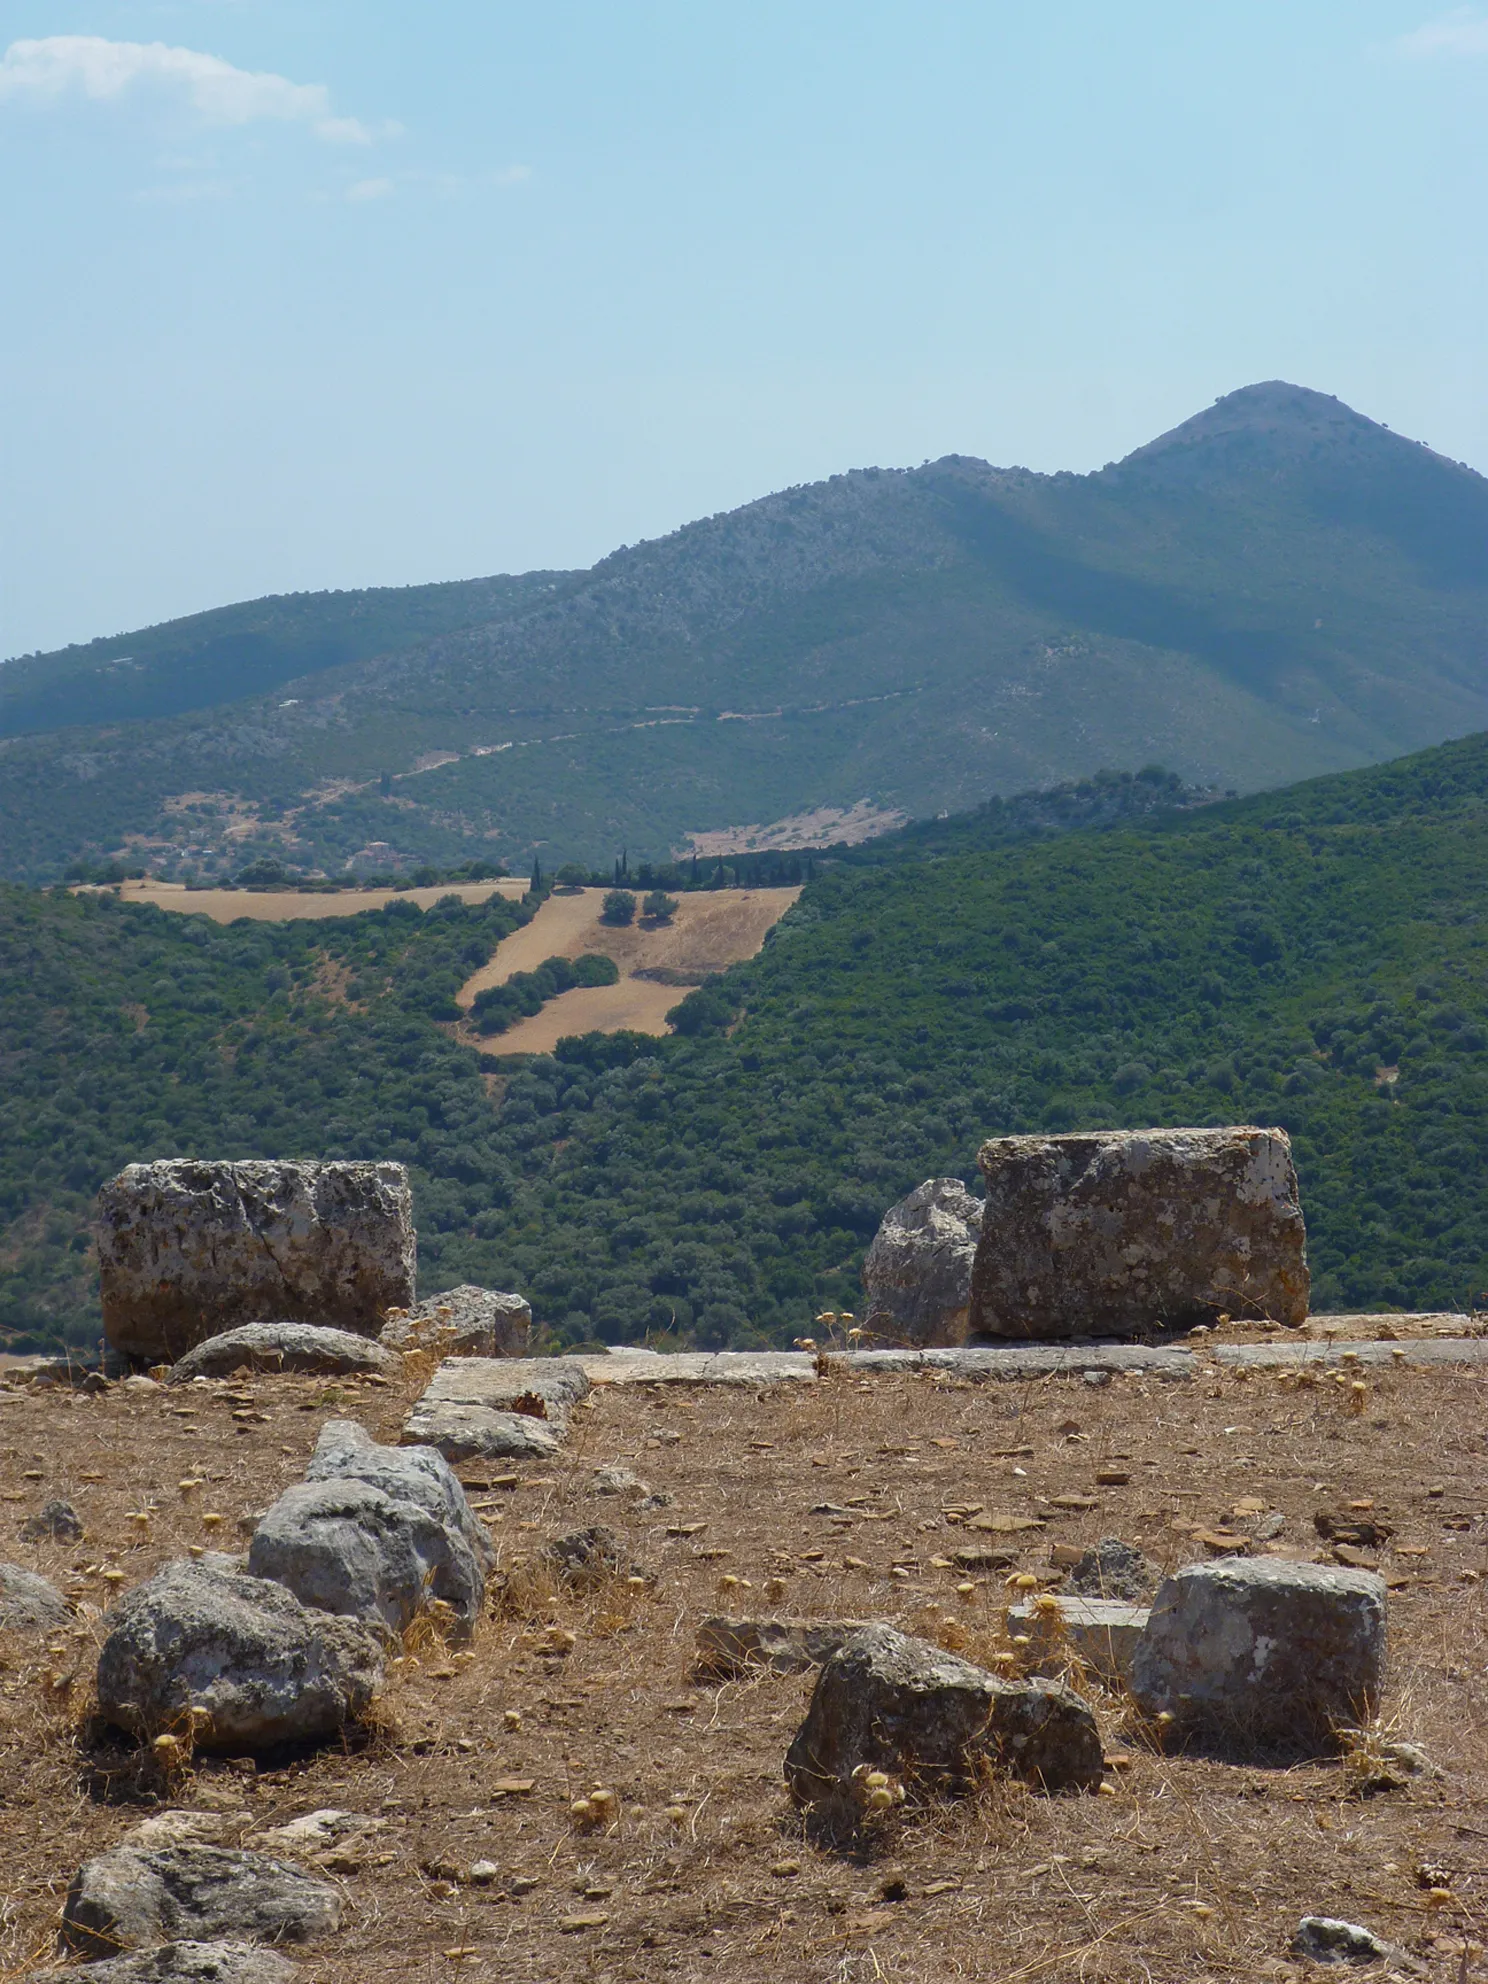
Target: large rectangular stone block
<point x="1106" y="1232"/>
<point x="188" y="1249"/>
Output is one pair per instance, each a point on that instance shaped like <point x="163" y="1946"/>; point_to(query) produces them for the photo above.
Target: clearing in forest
<point x="710" y="931"/>
<point x="290" y="906"/>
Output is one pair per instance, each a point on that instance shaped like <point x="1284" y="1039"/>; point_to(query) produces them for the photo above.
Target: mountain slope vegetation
<point x="1313" y="958"/>
<point x="1278" y="588"/>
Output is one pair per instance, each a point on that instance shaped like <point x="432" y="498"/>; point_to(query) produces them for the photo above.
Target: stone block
<point x="1260" y="1653"/>
<point x="28" y="1603"/>
<point x="727" y="1647"/>
<point x="1108" y="1232"/>
<point x="479" y="1432"/>
<point x="917" y="1273"/>
<point x="188" y="1250"/>
<point x="189" y="1962"/>
<point x="886" y="1702"/>
<point x="1101" y="1633"/>
<point x="464" y="1322"/>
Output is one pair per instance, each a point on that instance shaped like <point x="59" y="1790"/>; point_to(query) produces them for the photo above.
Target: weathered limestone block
<point x="1261" y="1652"/>
<point x="345" y="1451"/>
<point x="346" y="1547"/>
<point x="28" y="1603"/>
<point x="285" y="1347"/>
<point x="140" y="1897"/>
<point x="541" y="1387"/>
<point x="479" y="1432"/>
<point x="464" y="1322"/>
<point x="262" y="1669"/>
<point x="188" y="1249"/>
<point x="903" y="1706"/>
<point x="917" y="1273"/>
<point x="1102" y="1633"/>
<point x="727" y="1647"/>
<point x="1110" y="1231"/>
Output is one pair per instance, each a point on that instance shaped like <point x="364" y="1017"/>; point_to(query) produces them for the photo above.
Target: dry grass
<point x="1187" y="1869"/>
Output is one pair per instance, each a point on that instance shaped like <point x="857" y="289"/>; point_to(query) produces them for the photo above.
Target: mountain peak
<point x="1273" y="420"/>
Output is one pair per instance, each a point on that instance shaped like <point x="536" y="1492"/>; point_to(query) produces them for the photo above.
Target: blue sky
<point x="334" y="294"/>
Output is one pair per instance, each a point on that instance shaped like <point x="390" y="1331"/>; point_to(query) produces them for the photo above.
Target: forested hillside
<point x="1278" y="588"/>
<point x="235" y="652"/>
<point x="1313" y="958"/>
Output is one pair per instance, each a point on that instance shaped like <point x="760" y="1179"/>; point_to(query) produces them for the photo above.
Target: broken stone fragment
<point x="727" y="1647"/>
<point x="140" y="1897"/>
<point x="57" y="1522"/>
<point x="586" y="1558"/>
<point x="191" y="1963"/>
<point x="190" y="1249"/>
<point x="1324" y="1939"/>
<point x="1113" y="1569"/>
<point x="259" y="1668"/>
<point x="1102" y="1633"/>
<point x="1111" y="1231"/>
<point x="285" y="1347"/>
<point x="887" y="1702"/>
<point x="464" y="1322"/>
<point x="346" y="1547"/>
<point x="1258" y="1653"/>
<point x="917" y="1272"/>
<point x="28" y="1603"/>
<point x="478" y="1432"/>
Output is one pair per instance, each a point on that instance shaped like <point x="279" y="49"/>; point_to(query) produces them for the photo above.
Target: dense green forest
<point x="1313" y="958"/>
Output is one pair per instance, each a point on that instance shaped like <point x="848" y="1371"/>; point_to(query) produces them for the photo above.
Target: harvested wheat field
<point x="293" y="906"/>
<point x="710" y="931"/>
<point x="909" y="1498"/>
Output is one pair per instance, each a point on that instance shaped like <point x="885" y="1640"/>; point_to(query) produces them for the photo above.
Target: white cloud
<point x="1462" y="32"/>
<point x="216" y="90"/>
<point x="370" y="189"/>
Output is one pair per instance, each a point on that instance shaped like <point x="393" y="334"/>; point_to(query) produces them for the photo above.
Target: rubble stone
<point x="917" y="1273"/>
<point x="1324" y="1939"/>
<point x="464" y="1322"/>
<point x="345" y="1451"/>
<point x="190" y="1249"/>
<point x="1260" y="1652"/>
<point x="477" y="1432"/>
<point x="140" y="1897"/>
<point x="727" y="1647"/>
<point x="284" y="1347"/>
<point x="887" y="1702"/>
<point x="192" y="1963"/>
<point x="1110" y="1231"/>
<point x="58" y="1522"/>
<point x="346" y="1547"/>
<point x="1101" y="1632"/>
<point x="263" y="1669"/>
<point x="28" y="1603"/>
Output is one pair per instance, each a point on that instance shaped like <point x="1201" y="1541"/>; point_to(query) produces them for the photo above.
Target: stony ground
<point x="1184" y="1868"/>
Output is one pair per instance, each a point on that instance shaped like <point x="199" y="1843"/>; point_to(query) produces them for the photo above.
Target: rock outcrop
<point x="244" y="1652"/>
<point x="140" y="1897"/>
<point x="188" y="1249"/>
<point x="1261" y="1653"/>
<point x="285" y="1347"/>
<point x="464" y="1322"/>
<point x="1111" y="1231"/>
<point x="917" y="1273"/>
<point x="887" y="1703"/>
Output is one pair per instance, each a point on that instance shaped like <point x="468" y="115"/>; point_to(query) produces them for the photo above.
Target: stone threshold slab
<point x="1280" y="1356"/>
